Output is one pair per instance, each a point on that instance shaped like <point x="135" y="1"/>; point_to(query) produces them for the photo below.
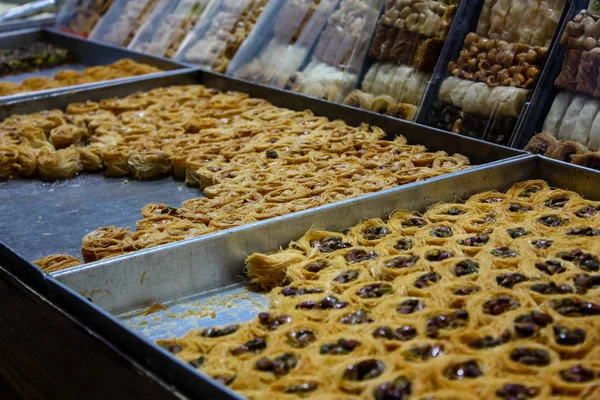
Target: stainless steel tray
<point x="204" y="276"/>
<point x="11" y="26"/>
<point x="86" y="53"/>
<point x="57" y="216"/>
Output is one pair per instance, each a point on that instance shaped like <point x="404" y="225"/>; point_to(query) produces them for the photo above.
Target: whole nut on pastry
<point x="594" y="30"/>
<point x="579" y="42"/>
<point x="520" y="58"/>
<point x="596" y="50"/>
<point x="587" y="21"/>
<point x="589" y="43"/>
<point x="574" y="29"/>
<point x="520" y="79"/>
<point x="473" y="51"/>
<point x="532" y="57"/>
<point x="484" y="44"/>
<point x="471" y="38"/>
<point x="495" y="68"/>
<point x="505" y="59"/>
<point x="492" y="81"/>
<point x="472" y="64"/>
<point x="405" y="13"/>
<point x="533" y="72"/>
<point x="493" y="53"/>
<point x="529" y="83"/>
<point x="482" y="56"/>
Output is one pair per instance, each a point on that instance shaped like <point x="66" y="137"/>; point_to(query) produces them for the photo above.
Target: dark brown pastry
<point x="445" y="117"/>
<point x="404" y="47"/>
<point x="402" y="111"/>
<point x="565" y="150"/>
<point x="427" y="54"/>
<point x="567" y="79"/>
<point x="542" y="143"/>
<point x="589" y="160"/>
<point x="473" y="126"/>
<point x="587" y="74"/>
<point x="388" y="44"/>
<point x="380" y="38"/>
<point x="502" y="130"/>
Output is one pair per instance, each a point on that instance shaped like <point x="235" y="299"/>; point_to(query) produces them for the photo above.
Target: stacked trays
<point x="404" y="261"/>
<point x="37" y="62"/>
<point x="503" y="294"/>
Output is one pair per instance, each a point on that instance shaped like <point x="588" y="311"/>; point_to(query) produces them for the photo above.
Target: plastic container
<point x="123" y="19"/>
<point x="333" y="69"/>
<point x="406" y="47"/>
<point x="281" y="40"/>
<point x="80" y="16"/>
<point x="567" y="118"/>
<point x="492" y="79"/>
<point x="165" y="29"/>
<point x="218" y="35"/>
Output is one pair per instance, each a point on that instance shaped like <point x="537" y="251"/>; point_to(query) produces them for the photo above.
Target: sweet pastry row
<point x="495" y="297"/>
<point x="480" y="99"/>
<point x="532" y="22"/>
<point x="390" y="89"/>
<point x="252" y="160"/>
<point x="227" y="31"/>
<point x="567" y="151"/>
<point x="34" y="56"/>
<point x="404" y="47"/>
<point x="573" y="117"/>
<point x="498" y="63"/>
<point x="165" y="39"/>
<point x="431" y="18"/>
<point x="120" y="69"/>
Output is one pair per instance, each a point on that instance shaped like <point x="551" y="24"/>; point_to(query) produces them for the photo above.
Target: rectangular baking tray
<point x="57" y="215"/>
<point x="201" y="281"/>
<point x="18" y="24"/>
<point x="86" y="53"/>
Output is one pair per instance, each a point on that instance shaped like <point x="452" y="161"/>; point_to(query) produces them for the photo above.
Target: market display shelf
<point x="86" y="53"/>
<point x="109" y="296"/>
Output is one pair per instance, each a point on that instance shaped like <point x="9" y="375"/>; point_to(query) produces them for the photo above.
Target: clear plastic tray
<point x="333" y="69"/>
<point x="165" y="29"/>
<point x="406" y="47"/>
<point x="123" y="19"/>
<point x="80" y="16"/>
<point x="496" y="72"/>
<point x="220" y="32"/>
<point x="281" y="40"/>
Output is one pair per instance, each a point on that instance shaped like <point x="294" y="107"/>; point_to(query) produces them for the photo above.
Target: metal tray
<point x="58" y="215"/>
<point x="86" y="53"/>
<point x="18" y="24"/>
<point x="206" y="273"/>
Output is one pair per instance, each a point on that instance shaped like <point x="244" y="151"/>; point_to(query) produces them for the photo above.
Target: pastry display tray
<point x="57" y="215"/>
<point x="18" y="24"/>
<point x="201" y="282"/>
<point x="86" y="53"/>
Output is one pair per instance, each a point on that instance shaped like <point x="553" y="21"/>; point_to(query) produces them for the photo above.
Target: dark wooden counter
<point x="45" y="354"/>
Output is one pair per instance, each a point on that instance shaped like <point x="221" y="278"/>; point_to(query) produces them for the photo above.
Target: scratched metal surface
<point x="223" y="306"/>
<point x="42" y="218"/>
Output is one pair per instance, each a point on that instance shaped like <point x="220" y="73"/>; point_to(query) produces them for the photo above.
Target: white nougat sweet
<point x="581" y="132"/>
<point x="594" y="137"/>
<point x="570" y="118"/>
<point x="557" y="112"/>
